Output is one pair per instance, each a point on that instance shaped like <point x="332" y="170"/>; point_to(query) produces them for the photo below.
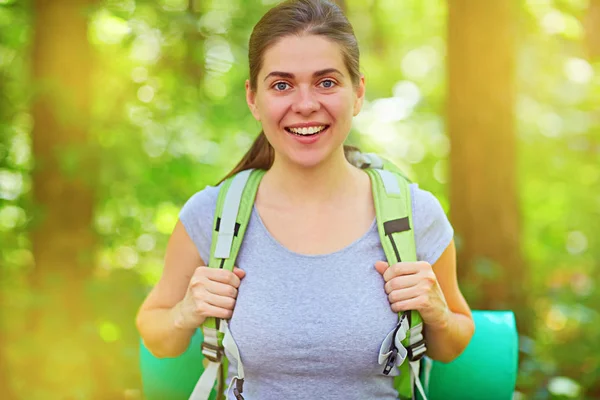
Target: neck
<point x="327" y="182"/>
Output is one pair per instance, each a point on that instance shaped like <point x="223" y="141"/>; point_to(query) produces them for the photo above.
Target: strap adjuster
<point x="418" y="348"/>
<point x="390" y="361"/>
<point x="212" y="353"/>
<point x="238" y="389"/>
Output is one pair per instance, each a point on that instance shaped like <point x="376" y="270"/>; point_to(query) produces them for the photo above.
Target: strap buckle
<point x="238" y="389"/>
<point x="390" y="361"/>
<point x="416" y="351"/>
<point x="212" y="353"/>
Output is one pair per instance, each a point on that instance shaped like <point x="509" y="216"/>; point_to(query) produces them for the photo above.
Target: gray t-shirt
<point x="310" y="326"/>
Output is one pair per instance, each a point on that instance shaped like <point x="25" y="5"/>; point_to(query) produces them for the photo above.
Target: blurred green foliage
<point x="170" y="117"/>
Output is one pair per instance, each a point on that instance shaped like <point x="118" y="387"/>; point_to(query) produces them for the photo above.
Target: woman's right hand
<point x="211" y="293"/>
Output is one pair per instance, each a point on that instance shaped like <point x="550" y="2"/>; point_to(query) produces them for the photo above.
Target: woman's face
<point x="305" y="99"/>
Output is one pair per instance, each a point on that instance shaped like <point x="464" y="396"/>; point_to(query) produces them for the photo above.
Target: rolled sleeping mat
<point x="487" y="369"/>
<point x="172" y="378"/>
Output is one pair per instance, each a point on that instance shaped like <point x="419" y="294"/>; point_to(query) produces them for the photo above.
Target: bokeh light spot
<point x="577" y="242"/>
<point x="109" y="332"/>
<point x="145" y="93"/>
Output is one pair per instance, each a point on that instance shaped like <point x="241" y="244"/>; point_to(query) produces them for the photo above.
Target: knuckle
<point x="201" y="271"/>
<point x="396" y="283"/>
<point x="231" y="303"/>
<point x="430" y="278"/>
<point x="195" y="281"/>
<point x="424" y="265"/>
<point x="221" y="274"/>
<point x="233" y="280"/>
<point x="198" y="309"/>
<point x="388" y="287"/>
<point x="392" y="297"/>
<point x="198" y="297"/>
<point x="396" y="269"/>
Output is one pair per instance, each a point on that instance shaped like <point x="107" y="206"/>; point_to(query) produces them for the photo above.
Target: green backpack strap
<point x="393" y="209"/>
<point x="234" y="207"/>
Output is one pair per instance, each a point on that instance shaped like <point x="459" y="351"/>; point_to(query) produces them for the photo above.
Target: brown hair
<point x="296" y="17"/>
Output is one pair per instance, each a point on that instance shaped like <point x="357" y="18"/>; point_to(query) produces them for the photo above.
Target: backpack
<point x="403" y="347"/>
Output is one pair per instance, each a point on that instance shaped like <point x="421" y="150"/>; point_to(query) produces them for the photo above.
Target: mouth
<point x="307" y="131"/>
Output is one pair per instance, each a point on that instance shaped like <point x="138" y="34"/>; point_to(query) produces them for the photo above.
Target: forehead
<point x="303" y="55"/>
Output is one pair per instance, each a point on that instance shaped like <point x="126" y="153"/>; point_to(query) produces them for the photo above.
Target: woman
<point x="313" y="300"/>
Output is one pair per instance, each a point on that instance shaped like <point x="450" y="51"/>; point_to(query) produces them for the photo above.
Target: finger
<point x="240" y="273"/>
<point x="221" y="289"/>
<point x="406" y="305"/>
<point x="400" y="295"/>
<point x="199" y="276"/>
<point x="223" y="276"/>
<point x="224" y="302"/>
<point x="217" y="312"/>
<point x="401" y="282"/>
<point x="381" y="266"/>
<point x="399" y="269"/>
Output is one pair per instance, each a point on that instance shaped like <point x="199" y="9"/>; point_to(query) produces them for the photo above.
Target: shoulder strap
<point x="391" y="193"/>
<point x="234" y="207"/>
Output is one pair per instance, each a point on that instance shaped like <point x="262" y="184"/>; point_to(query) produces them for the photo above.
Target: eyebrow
<point x="317" y="74"/>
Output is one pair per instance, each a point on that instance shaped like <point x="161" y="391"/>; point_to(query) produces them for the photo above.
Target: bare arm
<point x="445" y="343"/>
<point x="157" y="315"/>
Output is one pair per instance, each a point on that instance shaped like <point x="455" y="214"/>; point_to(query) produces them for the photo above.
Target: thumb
<point x="240" y="273"/>
<point x="381" y="266"/>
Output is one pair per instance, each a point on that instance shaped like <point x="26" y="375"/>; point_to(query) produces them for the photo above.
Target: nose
<point x="305" y="102"/>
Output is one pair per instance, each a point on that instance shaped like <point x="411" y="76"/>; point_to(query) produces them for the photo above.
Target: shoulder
<point x="424" y="200"/>
<point x="197" y="216"/>
<point x="432" y="229"/>
<point x="202" y="200"/>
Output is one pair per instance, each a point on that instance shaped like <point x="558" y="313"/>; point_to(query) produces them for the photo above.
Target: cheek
<point x="342" y="108"/>
<point x="272" y="111"/>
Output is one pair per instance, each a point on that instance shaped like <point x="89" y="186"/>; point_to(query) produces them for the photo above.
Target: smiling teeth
<point x="308" y="130"/>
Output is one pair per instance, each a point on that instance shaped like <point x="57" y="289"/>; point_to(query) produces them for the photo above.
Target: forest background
<point x="114" y="112"/>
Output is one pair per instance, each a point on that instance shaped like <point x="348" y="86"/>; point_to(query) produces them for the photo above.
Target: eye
<point x="327" y="83"/>
<point x="281" y="86"/>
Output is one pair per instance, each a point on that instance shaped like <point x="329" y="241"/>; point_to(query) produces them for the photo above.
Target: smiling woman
<point x="315" y="306"/>
<point x="305" y="89"/>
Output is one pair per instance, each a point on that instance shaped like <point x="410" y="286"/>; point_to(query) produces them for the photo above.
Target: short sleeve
<point x="197" y="216"/>
<point x="433" y="231"/>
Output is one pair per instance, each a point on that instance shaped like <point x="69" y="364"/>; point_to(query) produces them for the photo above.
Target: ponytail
<point x="261" y="156"/>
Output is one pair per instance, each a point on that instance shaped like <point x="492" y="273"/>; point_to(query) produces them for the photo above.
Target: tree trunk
<point x="5" y="378"/>
<point x="483" y="190"/>
<point x="194" y="62"/>
<point x="592" y="30"/>
<point x="5" y="381"/>
<point x="64" y="339"/>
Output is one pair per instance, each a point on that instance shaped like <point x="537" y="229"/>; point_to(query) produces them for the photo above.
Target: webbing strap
<point x="415" y="368"/>
<point x="231" y="346"/>
<point x="390" y="182"/>
<point x="206" y="382"/>
<point x="229" y="216"/>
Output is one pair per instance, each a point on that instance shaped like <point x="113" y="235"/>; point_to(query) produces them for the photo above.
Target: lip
<point x="309" y="139"/>
<point x="307" y="124"/>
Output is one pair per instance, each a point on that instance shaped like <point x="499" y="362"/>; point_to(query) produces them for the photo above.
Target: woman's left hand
<point x="414" y="286"/>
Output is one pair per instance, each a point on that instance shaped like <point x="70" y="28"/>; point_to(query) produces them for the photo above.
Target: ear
<point x="360" y="95"/>
<point x="251" y="100"/>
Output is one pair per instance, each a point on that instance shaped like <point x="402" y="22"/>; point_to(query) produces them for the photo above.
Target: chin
<point x="308" y="160"/>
